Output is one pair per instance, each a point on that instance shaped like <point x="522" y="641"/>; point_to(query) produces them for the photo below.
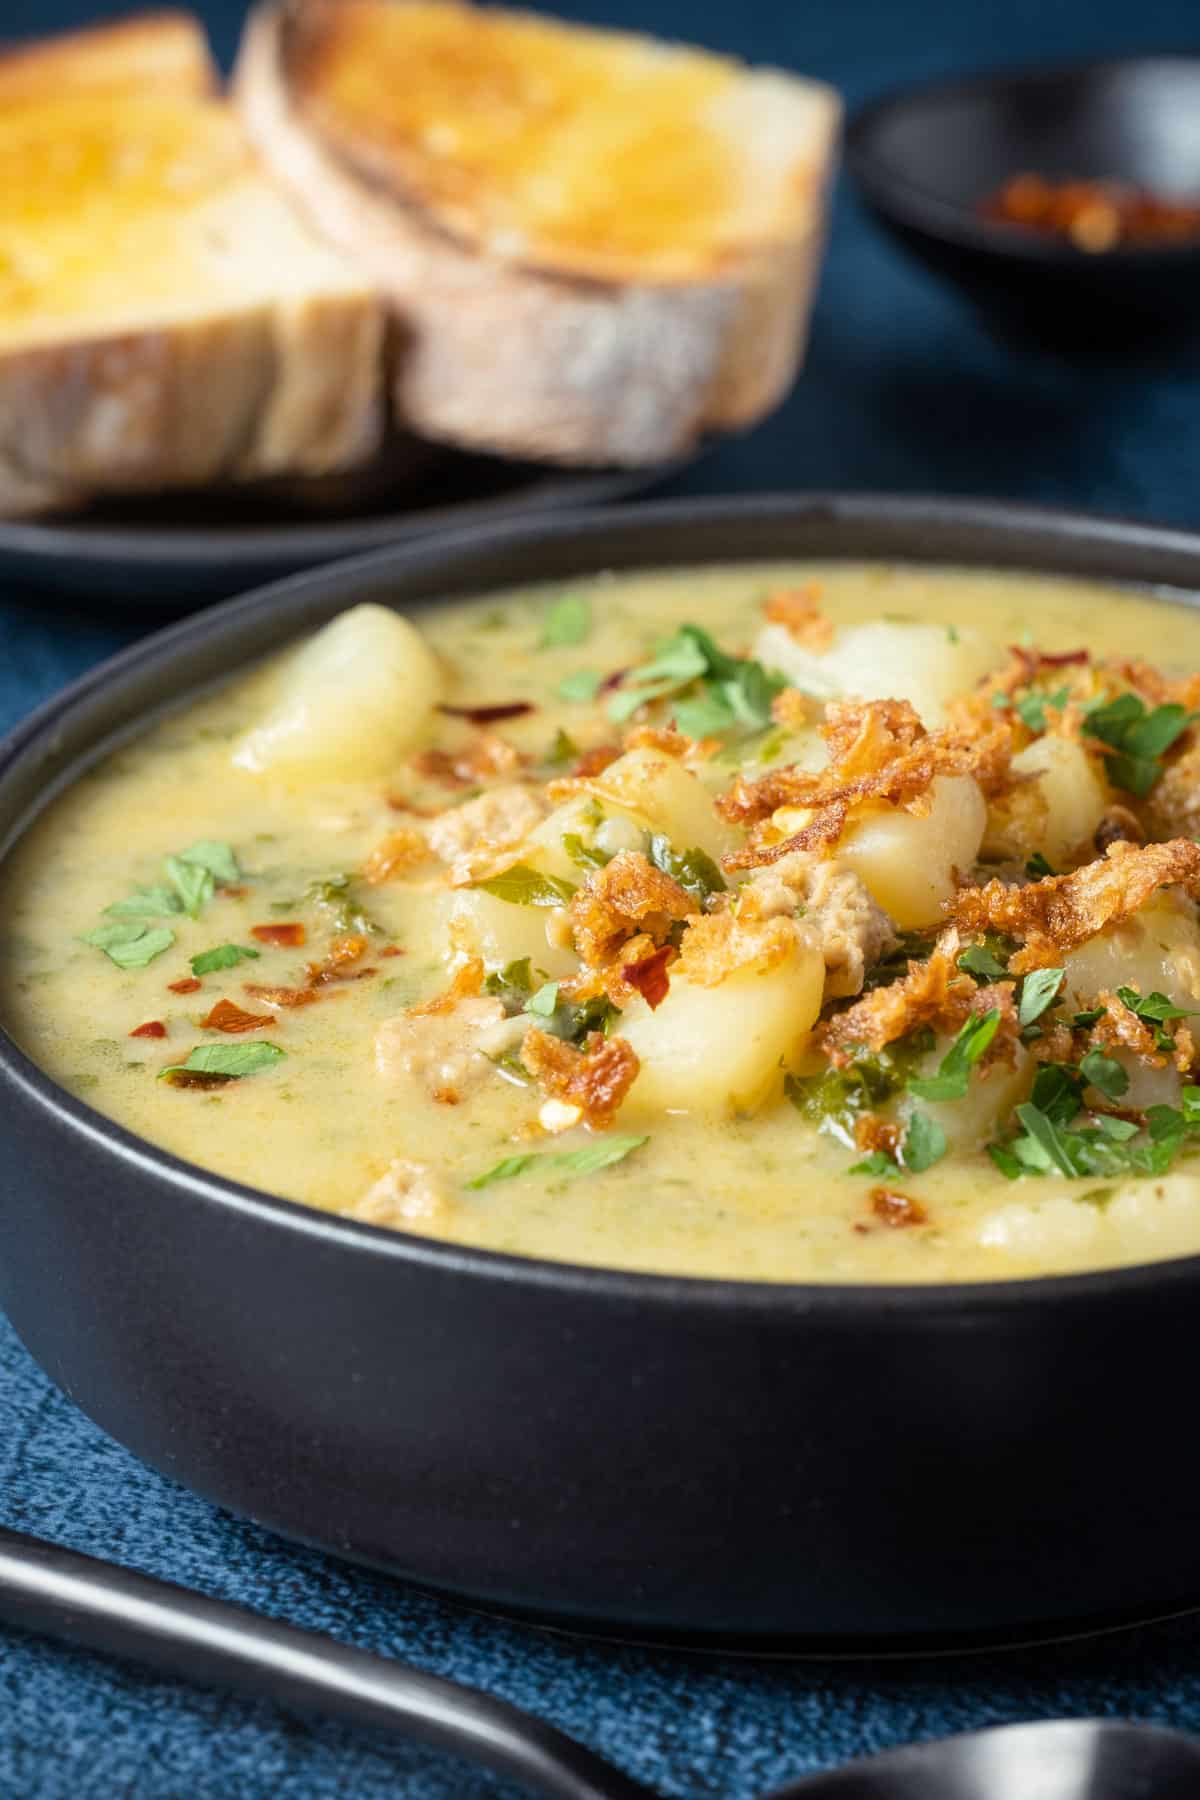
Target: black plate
<point x="924" y="157"/>
<point x="172" y="550"/>
<point x="830" y="1468"/>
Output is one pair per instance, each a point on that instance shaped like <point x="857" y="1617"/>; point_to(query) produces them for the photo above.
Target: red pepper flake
<point x="612" y="681"/>
<point x="1046" y="659"/>
<point x="399" y="804"/>
<point x="290" y="934"/>
<point x="490" y="715"/>
<point x="650" y="976"/>
<point x="225" y="1016"/>
<point x="189" y="985"/>
<point x="895" y="1208"/>
<point x="285" y="996"/>
<point x="343" y="952"/>
<point x="235" y="893"/>
<point x="392" y="950"/>
<point x="152" y="1028"/>
<point x="1094" y="216"/>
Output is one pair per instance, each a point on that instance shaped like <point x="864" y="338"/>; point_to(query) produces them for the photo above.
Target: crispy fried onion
<point x="465" y="983"/>
<point x="394" y="855"/>
<point x="798" y="610"/>
<point x="595" y="1079"/>
<point x="934" y="993"/>
<point x="486" y="756"/>
<point x="878" y="751"/>
<point x="628" y="896"/>
<point x="1057" y="914"/>
<point x="717" y="945"/>
<point x="478" y="837"/>
<point x="1121" y="1029"/>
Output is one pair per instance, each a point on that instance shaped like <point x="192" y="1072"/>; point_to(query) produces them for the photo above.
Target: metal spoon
<point x="46" y="1589"/>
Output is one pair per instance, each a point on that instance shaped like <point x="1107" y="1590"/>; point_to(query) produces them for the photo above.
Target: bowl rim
<point x="846" y="1302"/>
<point x="919" y="208"/>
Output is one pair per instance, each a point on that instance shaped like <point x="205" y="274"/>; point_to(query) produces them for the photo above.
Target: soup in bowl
<point x="795" y="922"/>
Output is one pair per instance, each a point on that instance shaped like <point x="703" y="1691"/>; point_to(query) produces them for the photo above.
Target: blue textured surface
<point x="902" y="390"/>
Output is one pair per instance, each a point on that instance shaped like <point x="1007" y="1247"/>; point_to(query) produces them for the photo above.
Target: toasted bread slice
<point x="600" y="246"/>
<point x="166" y="318"/>
<point x="164" y="53"/>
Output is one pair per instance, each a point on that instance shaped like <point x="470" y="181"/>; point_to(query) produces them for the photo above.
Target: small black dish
<point x="926" y="157"/>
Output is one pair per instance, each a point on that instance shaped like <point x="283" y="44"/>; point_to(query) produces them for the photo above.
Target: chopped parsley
<point x="522" y="886"/>
<point x="593" y="1157"/>
<point x="147" y="903"/>
<point x="568" y="621"/>
<point x="1038" y="992"/>
<point x="218" y="859"/>
<point x="193" y="883"/>
<point x="1137" y="739"/>
<point x="581" y="686"/>
<point x="954" y="1070"/>
<point x="1031" y="707"/>
<point x="1105" y="1074"/>
<point x="511" y="984"/>
<point x="543" y="1003"/>
<point x="334" y="896"/>
<point x="195" y="872"/>
<point x="1037" y="868"/>
<point x="563" y="750"/>
<point x="694" y="870"/>
<point x="714" y="693"/>
<point x="836" y="1099"/>
<point x="1155" y="1008"/>
<point x="1048" y="1139"/>
<point x="225" y="956"/>
<point x="923" y="1144"/>
<point x="127" y="940"/>
<point x="227" y="1062"/>
<point x="128" y="944"/>
<point x="586" y="855"/>
<point x="982" y="961"/>
<point x="910" y="946"/>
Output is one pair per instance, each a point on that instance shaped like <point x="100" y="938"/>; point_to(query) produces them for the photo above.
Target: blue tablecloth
<point x="902" y="390"/>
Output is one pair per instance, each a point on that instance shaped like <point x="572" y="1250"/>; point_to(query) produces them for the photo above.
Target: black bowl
<point x="776" y="1466"/>
<point x="926" y="157"/>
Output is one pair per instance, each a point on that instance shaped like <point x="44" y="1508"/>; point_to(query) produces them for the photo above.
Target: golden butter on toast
<point x="164" y="53"/>
<point x="599" y="152"/>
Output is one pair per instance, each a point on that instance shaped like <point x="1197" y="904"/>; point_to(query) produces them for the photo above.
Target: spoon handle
<point x="50" y="1590"/>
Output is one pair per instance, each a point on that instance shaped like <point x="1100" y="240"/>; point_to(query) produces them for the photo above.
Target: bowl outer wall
<point x="816" y="1467"/>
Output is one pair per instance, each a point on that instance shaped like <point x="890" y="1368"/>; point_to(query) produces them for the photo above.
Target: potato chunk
<point x="1158" y="950"/>
<point x="884" y="660"/>
<point x="1072" y="792"/>
<point x="658" y="791"/>
<point x="501" y="932"/>
<point x="909" y="862"/>
<point x="721" y="1050"/>
<point x="989" y="1100"/>
<point x="351" y="701"/>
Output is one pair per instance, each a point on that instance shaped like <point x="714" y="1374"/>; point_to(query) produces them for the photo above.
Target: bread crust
<point x="528" y="361"/>
<point x="274" y="390"/>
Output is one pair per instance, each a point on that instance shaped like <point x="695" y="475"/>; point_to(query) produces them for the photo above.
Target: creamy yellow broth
<point x="764" y="1197"/>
